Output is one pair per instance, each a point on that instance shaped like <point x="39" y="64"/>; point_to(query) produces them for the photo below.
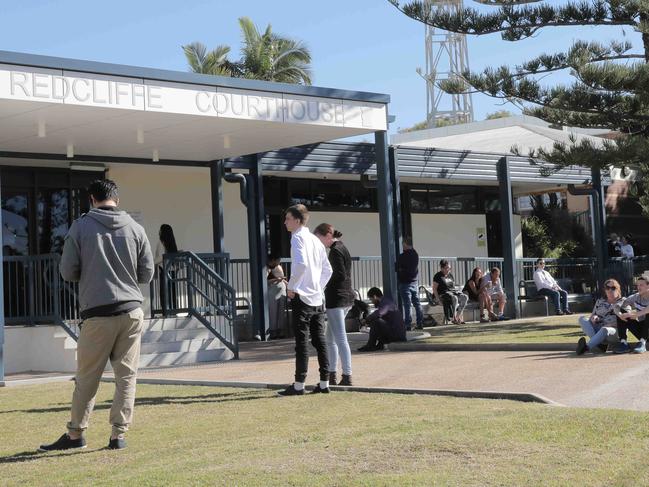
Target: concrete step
<point x="176" y="335"/>
<point x="182" y="358"/>
<point x="181" y="346"/>
<point x="180" y="323"/>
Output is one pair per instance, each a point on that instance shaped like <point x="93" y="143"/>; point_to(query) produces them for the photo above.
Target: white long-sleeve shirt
<point x="310" y="268"/>
<point x="544" y="280"/>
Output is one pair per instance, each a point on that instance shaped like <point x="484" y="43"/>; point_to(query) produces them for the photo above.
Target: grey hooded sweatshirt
<point x="109" y="254"/>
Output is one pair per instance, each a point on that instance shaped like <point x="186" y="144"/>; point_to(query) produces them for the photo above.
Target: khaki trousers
<point x="114" y="338"/>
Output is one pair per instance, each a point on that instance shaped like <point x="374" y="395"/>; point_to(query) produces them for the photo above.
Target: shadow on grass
<point x="30" y="456"/>
<point x="158" y="401"/>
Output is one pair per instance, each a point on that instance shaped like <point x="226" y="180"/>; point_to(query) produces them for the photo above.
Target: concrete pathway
<point x="600" y="381"/>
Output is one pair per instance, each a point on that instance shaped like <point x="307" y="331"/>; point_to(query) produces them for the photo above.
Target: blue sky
<point x="356" y="44"/>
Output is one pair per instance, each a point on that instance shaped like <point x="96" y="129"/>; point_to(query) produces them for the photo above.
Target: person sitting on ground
<point x="491" y="287"/>
<point x="546" y="285"/>
<point x="386" y="322"/>
<point x="472" y="290"/>
<point x="601" y="325"/>
<point x="632" y="315"/>
<point x="444" y="291"/>
<point x="626" y="249"/>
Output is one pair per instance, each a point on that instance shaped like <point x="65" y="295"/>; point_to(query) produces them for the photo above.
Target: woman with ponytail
<point x="339" y="298"/>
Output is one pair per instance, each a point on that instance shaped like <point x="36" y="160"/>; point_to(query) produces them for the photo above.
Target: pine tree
<point x="611" y="81"/>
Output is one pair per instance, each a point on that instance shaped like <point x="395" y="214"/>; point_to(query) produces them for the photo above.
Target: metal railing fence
<point x="35" y="293"/>
<point x="189" y="283"/>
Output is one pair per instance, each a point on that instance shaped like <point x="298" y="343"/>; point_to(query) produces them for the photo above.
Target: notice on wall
<point x="481" y="236"/>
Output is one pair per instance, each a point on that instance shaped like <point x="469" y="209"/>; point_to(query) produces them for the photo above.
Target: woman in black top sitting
<point x="444" y="291"/>
<point x="472" y="290"/>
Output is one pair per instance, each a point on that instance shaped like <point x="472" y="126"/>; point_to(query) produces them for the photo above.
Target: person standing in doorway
<point x="276" y="297"/>
<point x="339" y="298"/>
<point x="310" y="272"/>
<point x="166" y="245"/>
<point x="109" y="255"/>
<point x="408" y="271"/>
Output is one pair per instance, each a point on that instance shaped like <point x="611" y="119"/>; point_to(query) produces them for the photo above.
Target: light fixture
<point x="87" y="166"/>
<point x="70" y="152"/>
<point x="156" y="155"/>
<point x="41" y="129"/>
<point x="226" y="142"/>
<point x="140" y="135"/>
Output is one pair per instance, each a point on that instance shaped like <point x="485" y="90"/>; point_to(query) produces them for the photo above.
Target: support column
<point x="396" y="197"/>
<point x="216" y="184"/>
<point x="257" y="246"/>
<point x="601" y="247"/>
<point x="2" y="315"/>
<point x="385" y="170"/>
<point x="509" y="272"/>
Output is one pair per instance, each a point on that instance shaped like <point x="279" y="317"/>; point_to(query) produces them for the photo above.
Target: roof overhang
<point x="63" y="106"/>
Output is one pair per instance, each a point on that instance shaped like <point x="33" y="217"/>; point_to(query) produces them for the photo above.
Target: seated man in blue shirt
<point x="386" y="322"/>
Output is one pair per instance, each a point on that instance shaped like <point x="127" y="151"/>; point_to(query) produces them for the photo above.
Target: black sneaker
<point x="64" y="443"/>
<point x="419" y="327"/>
<point x="581" y="346"/>
<point x="291" y="391"/>
<point x="116" y="444"/>
<point x="602" y="348"/>
<point x="567" y="312"/>
<point x="318" y="390"/>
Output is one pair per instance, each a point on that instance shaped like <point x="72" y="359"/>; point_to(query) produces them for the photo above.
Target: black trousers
<point x="380" y="332"/>
<point x="309" y="319"/>
<point x="640" y="329"/>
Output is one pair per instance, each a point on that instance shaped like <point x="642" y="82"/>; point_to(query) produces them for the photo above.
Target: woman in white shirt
<point x="627" y="249"/>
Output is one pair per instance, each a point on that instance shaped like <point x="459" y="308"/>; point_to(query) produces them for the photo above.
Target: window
<point x="443" y="199"/>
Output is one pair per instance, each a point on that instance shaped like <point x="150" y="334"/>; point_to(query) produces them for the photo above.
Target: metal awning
<point x="64" y="106"/>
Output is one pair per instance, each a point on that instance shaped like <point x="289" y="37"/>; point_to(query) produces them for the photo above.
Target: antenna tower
<point x="446" y="56"/>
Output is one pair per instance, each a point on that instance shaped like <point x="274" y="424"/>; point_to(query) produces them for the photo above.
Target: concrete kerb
<point x="36" y="381"/>
<point x="510" y="396"/>
<point x="418" y="346"/>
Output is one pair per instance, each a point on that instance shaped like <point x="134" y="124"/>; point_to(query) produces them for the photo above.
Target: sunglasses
<point x="611" y="288"/>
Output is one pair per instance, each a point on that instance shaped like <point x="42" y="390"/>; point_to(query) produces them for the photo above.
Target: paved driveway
<point x="601" y="381"/>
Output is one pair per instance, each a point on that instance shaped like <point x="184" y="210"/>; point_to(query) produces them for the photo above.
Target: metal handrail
<point x="38" y="294"/>
<point x="201" y="292"/>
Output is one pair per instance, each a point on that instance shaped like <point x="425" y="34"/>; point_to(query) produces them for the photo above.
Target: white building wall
<point x="178" y="196"/>
<point x="448" y="235"/>
<point x="518" y="237"/>
<point x="40" y="349"/>
<point x="360" y="230"/>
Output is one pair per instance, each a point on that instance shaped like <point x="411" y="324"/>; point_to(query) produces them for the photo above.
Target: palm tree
<point x="266" y="56"/>
<point x="213" y="62"/>
<point x="271" y="57"/>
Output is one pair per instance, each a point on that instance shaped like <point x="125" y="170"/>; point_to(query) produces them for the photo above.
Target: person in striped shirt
<point x="632" y="316"/>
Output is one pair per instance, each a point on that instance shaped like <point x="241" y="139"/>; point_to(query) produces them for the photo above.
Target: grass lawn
<point x="208" y="436"/>
<point x="553" y="329"/>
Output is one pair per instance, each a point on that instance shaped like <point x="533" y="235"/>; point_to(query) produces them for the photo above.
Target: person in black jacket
<point x="386" y="322"/>
<point x="408" y="271"/>
<point x="339" y="298"/>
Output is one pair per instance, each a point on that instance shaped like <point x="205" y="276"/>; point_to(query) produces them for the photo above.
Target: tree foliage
<point x="264" y="55"/>
<point x="610" y="86"/>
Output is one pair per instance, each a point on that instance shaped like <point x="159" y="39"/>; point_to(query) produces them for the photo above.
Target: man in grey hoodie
<point x="109" y="254"/>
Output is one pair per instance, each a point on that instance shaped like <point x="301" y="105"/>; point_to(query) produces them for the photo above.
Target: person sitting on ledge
<point x="601" y="325"/>
<point x="547" y="286"/>
<point x="386" y="322"/>
<point x="492" y="289"/>
<point x="632" y="315"/>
